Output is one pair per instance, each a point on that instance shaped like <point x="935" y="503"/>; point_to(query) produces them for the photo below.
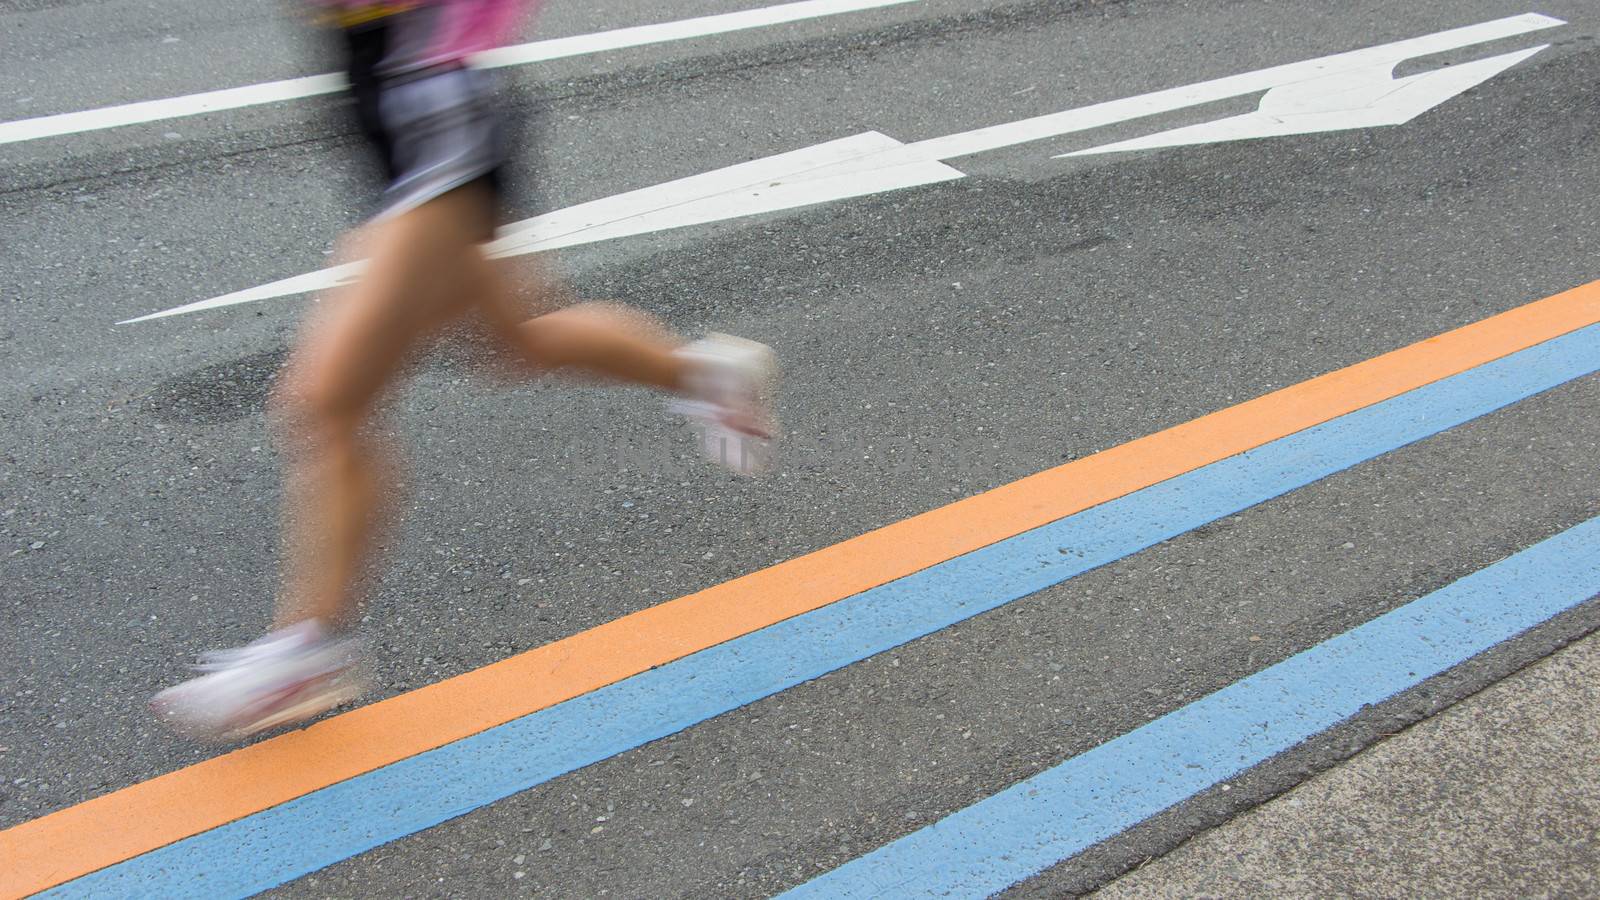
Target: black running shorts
<point x="434" y="127"/>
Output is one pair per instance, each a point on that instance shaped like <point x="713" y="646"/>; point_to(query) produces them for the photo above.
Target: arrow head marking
<point x="1367" y="97"/>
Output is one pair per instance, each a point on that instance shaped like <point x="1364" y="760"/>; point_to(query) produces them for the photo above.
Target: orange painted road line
<point x="106" y="830"/>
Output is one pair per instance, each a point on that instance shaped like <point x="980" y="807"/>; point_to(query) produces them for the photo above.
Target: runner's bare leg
<point x="347" y="356"/>
<point x="425" y="269"/>
<point x="600" y="340"/>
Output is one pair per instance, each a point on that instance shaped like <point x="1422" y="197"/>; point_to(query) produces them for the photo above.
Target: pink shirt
<point x="472" y="26"/>
<point x="449" y="29"/>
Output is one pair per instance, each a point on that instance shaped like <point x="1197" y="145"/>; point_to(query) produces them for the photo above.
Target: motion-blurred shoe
<point x="288" y="676"/>
<point x="728" y="396"/>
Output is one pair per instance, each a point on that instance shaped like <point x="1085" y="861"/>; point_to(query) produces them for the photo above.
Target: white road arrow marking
<point x="1360" y="98"/>
<point x="1329" y="89"/>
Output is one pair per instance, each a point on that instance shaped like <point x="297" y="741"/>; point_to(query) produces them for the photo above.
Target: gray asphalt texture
<point x="936" y="342"/>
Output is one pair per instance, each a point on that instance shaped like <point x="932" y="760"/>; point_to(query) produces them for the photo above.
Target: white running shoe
<point x="728" y="396"/>
<point x="290" y="675"/>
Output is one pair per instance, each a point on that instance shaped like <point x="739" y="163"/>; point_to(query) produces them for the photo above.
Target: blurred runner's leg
<point x="431" y="119"/>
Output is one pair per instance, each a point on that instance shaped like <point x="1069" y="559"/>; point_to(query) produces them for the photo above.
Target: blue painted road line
<point x="335" y="823"/>
<point x="1043" y="820"/>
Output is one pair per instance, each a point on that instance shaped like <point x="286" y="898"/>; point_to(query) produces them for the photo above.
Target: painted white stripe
<point x="870" y="163"/>
<point x="520" y="54"/>
<point x="641" y="35"/>
<point x="171" y="108"/>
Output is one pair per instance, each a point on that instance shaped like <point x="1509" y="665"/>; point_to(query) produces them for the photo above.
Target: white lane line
<point x="871" y="163"/>
<point x="520" y="54"/>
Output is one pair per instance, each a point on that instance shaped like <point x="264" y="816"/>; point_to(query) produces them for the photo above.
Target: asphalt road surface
<point x="938" y="341"/>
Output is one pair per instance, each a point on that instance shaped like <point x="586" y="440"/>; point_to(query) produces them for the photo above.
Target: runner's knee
<point x="312" y="408"/>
